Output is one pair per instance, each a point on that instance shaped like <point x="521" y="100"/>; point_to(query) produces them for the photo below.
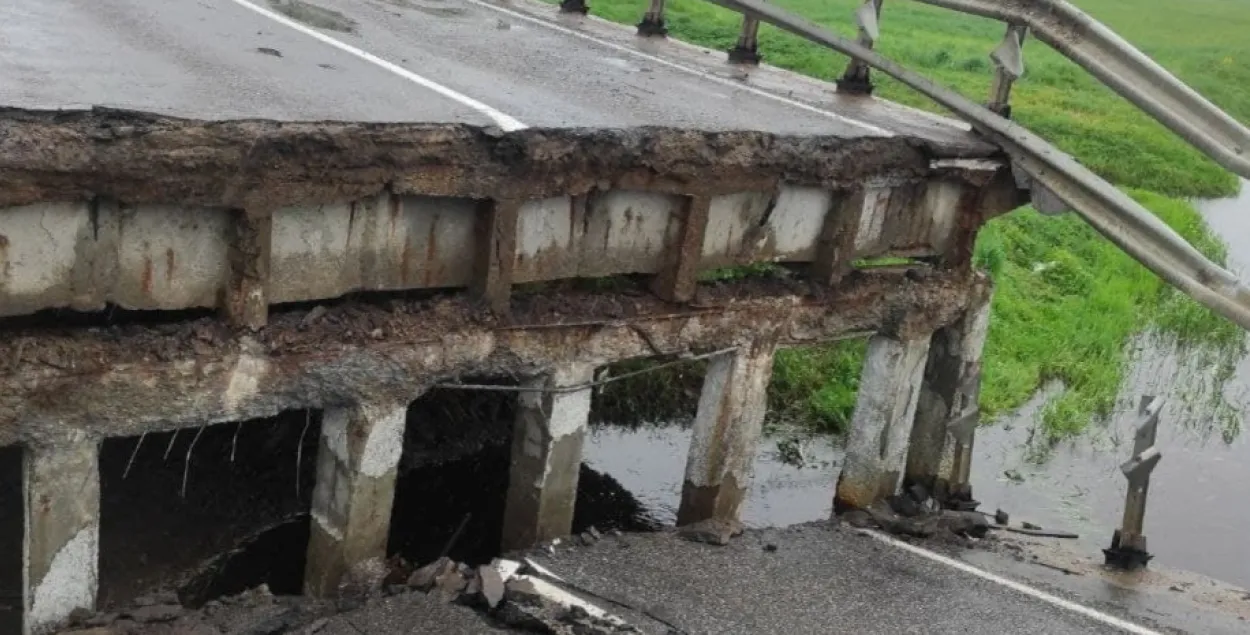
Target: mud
<point x="136" y="157"/>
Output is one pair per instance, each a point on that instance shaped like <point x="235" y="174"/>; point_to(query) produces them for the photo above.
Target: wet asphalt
<point x="820" y="579"/>
<point x="220" y="59"/>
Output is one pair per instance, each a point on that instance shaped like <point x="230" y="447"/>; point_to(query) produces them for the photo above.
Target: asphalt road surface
<point x="824" y="579"/>
<point x="512" y="64"/>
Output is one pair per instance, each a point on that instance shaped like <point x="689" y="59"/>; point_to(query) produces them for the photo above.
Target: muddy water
<point x="1197" y="515"/>
<point x="649" y="462"/>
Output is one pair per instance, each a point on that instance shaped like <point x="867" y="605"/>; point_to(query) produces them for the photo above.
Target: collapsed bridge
<point x="254" y="267"/>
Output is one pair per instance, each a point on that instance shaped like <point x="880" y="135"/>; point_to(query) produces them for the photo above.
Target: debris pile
<point x="520" y="594"/>
<point x="916" y="514"/>
<point x="255" y="612"/>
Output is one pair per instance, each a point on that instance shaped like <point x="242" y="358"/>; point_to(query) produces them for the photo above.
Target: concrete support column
<point x="940" y="456"/>
<point x="357" y="460"/>
<point x="876" y="449"/>
<point x="546" y="457"/>
<point x="60" y="562"/>
<point x="726" y="433"/>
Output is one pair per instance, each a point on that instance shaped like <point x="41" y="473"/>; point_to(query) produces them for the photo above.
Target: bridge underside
<point x="230" y="271"/>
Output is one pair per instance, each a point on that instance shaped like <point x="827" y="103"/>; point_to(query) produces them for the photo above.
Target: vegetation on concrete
<point x="1067" y="302"/>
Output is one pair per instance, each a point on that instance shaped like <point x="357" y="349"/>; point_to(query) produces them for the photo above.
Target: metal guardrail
<point x="1051" y="173"/>
<point x="1125" y="70"/>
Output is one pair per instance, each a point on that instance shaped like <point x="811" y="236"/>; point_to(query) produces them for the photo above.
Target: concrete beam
<point x="679" y="278"/>
<point x="60" y="561"/>
<point x="546" y="457"/>
<point x="126" y="381"/>
<point x="246" y="301"/>
<point x="351" y="506"/>
<point x="726" y="433"/>
<point x="937" y="459"/>
<point x="876" y="448"/>
<point x="496" y="232"/>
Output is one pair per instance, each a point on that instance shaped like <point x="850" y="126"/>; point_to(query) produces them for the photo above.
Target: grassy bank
<point x="1067" y="301"/>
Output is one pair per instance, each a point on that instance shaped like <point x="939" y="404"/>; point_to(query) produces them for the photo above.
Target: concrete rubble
<point x="505" y="595"/>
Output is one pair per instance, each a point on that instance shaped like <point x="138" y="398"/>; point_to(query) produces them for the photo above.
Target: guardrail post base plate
<point x="1127" y="552"/>
<point x="744" y="55"/>
<point x="652" y="27"/>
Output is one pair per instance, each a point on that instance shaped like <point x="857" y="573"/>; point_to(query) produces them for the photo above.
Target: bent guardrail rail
<point x="1126" y="70"/>
<point x="1112" y="212"/>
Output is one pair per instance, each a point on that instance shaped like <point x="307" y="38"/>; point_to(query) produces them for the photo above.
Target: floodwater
<point x="1197" y="515"/>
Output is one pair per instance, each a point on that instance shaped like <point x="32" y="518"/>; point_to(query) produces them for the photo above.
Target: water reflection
<point x="649" y="462"/>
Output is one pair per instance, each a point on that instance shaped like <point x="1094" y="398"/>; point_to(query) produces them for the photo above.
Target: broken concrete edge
<point x="127" y="380"/>
<point x="138" y="157"/>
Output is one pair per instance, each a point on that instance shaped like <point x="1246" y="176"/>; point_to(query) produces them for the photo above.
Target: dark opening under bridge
<point x="262" y="266"/>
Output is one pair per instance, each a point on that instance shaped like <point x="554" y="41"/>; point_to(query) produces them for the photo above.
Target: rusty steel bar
<point x="652" y="24"/>
<point x="857" y="80"/>
<point x="1008" y="61"/>
<point x="1128" y="543"/>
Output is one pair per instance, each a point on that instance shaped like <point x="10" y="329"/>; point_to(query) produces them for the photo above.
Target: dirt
<point x="138" y="157"/>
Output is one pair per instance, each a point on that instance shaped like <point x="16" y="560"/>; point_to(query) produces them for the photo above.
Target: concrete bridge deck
<point x="221" y="59"/>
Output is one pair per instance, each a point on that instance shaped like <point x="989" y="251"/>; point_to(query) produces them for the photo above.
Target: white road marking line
<point x="685" y="69"/>
<point x="502" y="120"/>
<point x="1093" y="614"/>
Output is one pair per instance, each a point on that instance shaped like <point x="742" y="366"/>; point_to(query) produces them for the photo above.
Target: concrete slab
<point x="820" y="578"/>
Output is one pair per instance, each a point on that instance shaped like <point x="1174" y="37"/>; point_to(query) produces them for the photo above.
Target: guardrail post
<point x="1008" y="61"/>
<point x="1128" y="543"/>
<point x="856" y="80"/>
<point x="746" y="51"/>
<point x="653" y="21"/>
<point x="574" y="6"/>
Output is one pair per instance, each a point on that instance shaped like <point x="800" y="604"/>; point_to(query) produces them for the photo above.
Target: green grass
<point x="1067" y="302"/>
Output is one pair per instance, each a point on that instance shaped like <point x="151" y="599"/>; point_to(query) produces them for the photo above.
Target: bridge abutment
<point x="547" y="443"/>
<point x="357" y="459"/>
<point x="60" y="559"/>
<point x="726" y="434"/>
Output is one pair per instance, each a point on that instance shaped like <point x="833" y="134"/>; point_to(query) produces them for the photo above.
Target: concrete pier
<point x="61" y="550"/>
<point x="351" y="506"/>
<point x="876" y="448"/>
<point x="940" y="458"/>
<point x="726" y="432"/>
<point x="546" y="456"/>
